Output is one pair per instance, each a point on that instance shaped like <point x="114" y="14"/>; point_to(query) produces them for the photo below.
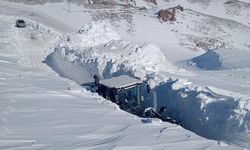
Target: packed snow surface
<point x="120" y="81"/>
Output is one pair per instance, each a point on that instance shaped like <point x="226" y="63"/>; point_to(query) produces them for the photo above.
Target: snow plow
<point x="131" y="95"/>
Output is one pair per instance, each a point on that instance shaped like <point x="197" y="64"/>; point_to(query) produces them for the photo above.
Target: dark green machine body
<point x="132" y="95"/>
<point x="129" y="98"/>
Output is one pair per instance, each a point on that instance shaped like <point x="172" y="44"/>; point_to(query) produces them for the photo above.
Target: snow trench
<point x="97" y="49"/>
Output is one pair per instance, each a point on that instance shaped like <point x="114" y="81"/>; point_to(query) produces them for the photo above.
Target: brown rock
<point x="169" y="14"/>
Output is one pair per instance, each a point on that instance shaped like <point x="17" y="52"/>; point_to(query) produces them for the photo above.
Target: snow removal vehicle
<point x="130" y="94"/>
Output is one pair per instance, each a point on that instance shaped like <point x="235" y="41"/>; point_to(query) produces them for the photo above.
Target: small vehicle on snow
<point x="130" y="94"/>
<point x="20" y="23"/>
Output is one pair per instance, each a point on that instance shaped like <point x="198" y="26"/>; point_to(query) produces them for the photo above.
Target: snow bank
<point x="222" y="59"/>
<point x="99" y="50"/>
<point x="209" y="112"/>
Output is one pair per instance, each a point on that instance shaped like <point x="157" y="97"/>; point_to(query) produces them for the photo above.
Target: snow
<point x="223" y="59"/>
<point x="203" y="109"/>
<point x="94" y="34"/>
<point x="42" y="110"/>
<point x="236" y="10"/>
<point x="200" y="109"/>
<point x="120" y="81"/>
<point x="115" y="57"/>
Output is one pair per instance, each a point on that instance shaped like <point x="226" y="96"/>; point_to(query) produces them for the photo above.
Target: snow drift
<point x="222" y="59"/>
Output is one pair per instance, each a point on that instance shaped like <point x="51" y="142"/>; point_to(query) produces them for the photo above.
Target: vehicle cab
<point x="125" y="91"/>
<point x="131" y="95"/>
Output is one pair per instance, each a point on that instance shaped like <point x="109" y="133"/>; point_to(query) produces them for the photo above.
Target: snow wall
<point x="97" y="49"/>
<point x="205" y="112"/>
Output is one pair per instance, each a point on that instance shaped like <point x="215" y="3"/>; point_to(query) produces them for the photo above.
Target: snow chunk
<point x="180" y="83"/>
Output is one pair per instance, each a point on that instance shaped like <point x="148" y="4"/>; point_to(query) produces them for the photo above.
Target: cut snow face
<point x="99" y="50"/>
<point x="209" y="112"/>
<point x="209" y="61"/>
<point x="222" y="59"/>
<point x="226" y="69"/>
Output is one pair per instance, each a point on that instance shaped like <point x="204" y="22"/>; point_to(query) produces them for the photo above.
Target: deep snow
<point x="140" y="45"/>
<point x="41" y="110"/>
<point x="222" y="59"/>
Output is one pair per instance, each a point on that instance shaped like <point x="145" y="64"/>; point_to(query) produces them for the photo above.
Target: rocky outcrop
<point x="169" y="14"/>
